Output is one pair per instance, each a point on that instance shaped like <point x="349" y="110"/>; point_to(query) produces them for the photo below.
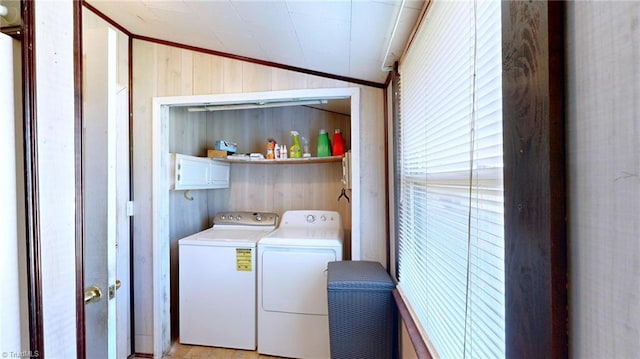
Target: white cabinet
<point x="190" y="172"/>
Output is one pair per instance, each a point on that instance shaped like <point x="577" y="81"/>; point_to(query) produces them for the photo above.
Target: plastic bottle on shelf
<point x="271" y="149"/>
<point x="305" y="148"/>
<point x="324" y="146"/>
<point x="277" y="152"/>
<point x="283" y="152"/>
<point x="338" y="143"/>
<point x="295" y="151"/>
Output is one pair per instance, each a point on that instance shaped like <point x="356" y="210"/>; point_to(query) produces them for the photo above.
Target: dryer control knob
<point x="311" y="218"/>
<point x="323" y="218"/>
<point x="259" y="218"/>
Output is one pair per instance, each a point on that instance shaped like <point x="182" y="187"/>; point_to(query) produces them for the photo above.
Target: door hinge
<point x="129" y="208"/>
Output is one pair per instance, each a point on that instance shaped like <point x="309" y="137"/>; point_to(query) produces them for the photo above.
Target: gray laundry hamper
<point x="362" y="311"/>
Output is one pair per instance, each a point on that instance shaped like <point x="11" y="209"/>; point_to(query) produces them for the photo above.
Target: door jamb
<point x="32" y="206"/>
<point x="79" y="194"/>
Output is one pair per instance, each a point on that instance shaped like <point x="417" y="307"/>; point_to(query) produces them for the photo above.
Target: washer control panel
<point x="311" y="219"/>
<point x="246" y="218"/>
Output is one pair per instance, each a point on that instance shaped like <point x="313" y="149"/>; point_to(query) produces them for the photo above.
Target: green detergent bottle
<point x="324" y="146"/>
<point x="295" y="151"/>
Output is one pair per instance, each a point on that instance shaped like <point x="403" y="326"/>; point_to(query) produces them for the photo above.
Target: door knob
<point x="93" y="294"/>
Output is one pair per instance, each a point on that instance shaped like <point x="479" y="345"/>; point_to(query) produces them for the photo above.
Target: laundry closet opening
<point x="191" y="125"/>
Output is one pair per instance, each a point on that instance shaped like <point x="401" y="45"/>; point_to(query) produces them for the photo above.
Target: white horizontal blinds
<point x="450" y="225"/>
<point x="486" y="306"/>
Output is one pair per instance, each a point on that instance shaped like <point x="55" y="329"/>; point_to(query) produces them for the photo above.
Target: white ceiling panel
<point x="243" y="44"/>
<point x="347" y="38"/>
<point x="283" y="49"/>
<point x="336" y="10"/>
<point x="368" y="37"/>
<point x="328" y="60"/>
<point x="264" y="15"/>
<point x="218" y="15"/>
<point x="176" y="6"/>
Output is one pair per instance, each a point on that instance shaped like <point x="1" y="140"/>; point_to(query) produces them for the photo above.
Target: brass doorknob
<point x="93" y="294"/>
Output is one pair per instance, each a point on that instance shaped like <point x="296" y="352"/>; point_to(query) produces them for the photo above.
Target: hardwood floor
<point x="182" y="351"/>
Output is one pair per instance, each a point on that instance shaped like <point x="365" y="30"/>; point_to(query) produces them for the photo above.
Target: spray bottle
<point x="295" y="151"/>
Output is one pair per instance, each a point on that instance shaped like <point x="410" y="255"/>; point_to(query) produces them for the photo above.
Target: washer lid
<point x="224" y="237"/>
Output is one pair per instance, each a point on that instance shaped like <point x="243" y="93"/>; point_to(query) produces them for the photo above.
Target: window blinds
<point x="449" y="157"/>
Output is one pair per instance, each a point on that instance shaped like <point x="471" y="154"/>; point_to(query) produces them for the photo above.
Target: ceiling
<point x="346" y="38"/>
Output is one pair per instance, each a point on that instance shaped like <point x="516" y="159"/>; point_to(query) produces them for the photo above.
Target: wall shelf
<point x="288" y="161"/>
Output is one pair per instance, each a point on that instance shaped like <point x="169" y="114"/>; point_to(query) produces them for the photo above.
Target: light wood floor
<point x="182" y="351"/>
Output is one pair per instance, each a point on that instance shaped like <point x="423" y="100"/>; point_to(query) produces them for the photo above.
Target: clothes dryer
<point x="292" y="284"/>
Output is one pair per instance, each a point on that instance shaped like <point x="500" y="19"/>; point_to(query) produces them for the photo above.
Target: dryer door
<point x="294" y="280"/>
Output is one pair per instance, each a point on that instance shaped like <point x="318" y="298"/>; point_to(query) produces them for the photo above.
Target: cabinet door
<point x="199" y="173"/>
<point x="219" y="174"/>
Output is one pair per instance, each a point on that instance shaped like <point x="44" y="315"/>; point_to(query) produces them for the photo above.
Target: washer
<point x="217" y="280"/>
<point x="292" y="284"/>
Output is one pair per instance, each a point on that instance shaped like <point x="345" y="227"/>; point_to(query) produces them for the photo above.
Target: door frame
<point x="31" y="178"/>
<point x="32" y="205"/>
<point x="79" y="179"/>
<point x="160" y="184"/>
<point x="79" y="192"/>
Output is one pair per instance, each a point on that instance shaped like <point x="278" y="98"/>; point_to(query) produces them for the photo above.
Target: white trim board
<point x="161" y="179"/>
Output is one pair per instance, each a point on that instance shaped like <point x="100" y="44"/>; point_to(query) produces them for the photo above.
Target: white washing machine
<point x="292" y="284"/>
<point x="217" y="280"/>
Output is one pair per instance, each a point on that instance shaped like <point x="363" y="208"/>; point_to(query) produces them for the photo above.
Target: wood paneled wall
<point x="160" y="70"/>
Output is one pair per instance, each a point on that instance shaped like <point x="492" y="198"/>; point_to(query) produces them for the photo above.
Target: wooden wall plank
<point x="144" y="88"/>
<point x="201" y="74"/>
<point x="217" y="74"/>
<point x="287" y="80"/>
<point x="123" y="59"/>
<point x="170" y="79"/>
<point x="232" y="76"/>
<point x="535" y="240"/>
<point x="186" y="73"/>
<point x="255" y="77"/>
<point x="373" y="153"/>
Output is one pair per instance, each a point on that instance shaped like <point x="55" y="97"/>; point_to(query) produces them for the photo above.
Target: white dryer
<point x="292" y="284"/>
<point x="217" y="280"/>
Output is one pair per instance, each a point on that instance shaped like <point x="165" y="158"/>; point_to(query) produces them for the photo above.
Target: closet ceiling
<point x="339" y="37"/>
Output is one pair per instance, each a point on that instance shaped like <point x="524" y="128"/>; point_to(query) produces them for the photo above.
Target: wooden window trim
<point x="534" y="177"/>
